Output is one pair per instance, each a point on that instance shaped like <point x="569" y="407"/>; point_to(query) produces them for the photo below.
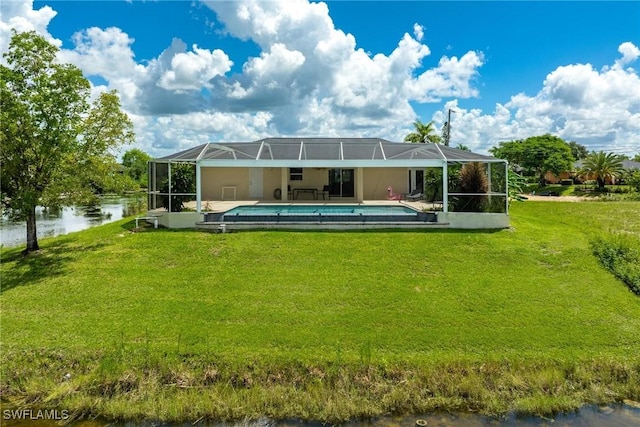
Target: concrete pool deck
<point x="225" y="205"/>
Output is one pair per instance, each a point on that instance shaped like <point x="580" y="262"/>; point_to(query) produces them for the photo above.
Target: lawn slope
<point x="178" y="325"/>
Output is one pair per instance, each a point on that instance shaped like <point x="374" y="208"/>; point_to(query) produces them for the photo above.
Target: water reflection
<point x="51" y="222"/>
<point x="589" y="416"/>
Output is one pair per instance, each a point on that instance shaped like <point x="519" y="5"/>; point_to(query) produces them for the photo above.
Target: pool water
<point x="321" y="214"/>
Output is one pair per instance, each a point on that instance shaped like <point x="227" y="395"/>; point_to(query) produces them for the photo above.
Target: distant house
<point x="553" y="179"/>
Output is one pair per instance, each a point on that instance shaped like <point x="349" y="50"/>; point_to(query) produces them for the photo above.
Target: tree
<point x="636" y="158"/>
<point x="516" y="183"/>
<point x="423" y="133"/>
<point x="463" y="147"/>
<point x="54" y="143"/>
<point x="183" y="180"/>
<point x="445" y="133"/>
<point x="578" y="151"/>
<point x="632" y="178"/>
<point x="135" y="164"/>
<point x="537" y="155"/>
<point x="601" y="165"/>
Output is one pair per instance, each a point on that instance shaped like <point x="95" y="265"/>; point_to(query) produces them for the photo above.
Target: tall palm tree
<point x="601" y="165"/>
<point x="423" y="133"/>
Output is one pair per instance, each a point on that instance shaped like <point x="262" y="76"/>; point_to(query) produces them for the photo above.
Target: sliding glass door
<point x="341" y="182"/>
<point x="416" y="180"/>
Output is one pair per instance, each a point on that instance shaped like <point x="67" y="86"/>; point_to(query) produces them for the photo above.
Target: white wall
<point x="474" y="220"/>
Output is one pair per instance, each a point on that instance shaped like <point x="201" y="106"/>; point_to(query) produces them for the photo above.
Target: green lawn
<point x="266" y="310"/>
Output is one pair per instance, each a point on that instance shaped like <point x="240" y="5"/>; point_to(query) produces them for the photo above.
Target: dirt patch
<point x="555" y="198"/>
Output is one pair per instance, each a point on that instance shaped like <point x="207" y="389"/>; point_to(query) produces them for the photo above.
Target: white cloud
<point x="103" y="52"/>
<point x="21" y="17"/>
<point x="193" y="70"/>
<point x="334" y="74"/>
<point x="629" y="52"/>
<point x="418" y="31"/>
<point x="310" y="78"/>
<point x="279" y="61"/>
<point x="452" y="78"/>
<point x="599" y="109"/>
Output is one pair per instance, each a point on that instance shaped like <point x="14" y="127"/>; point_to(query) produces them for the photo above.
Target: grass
<point x="179" y="325"/>
<point x="620" y="254"/>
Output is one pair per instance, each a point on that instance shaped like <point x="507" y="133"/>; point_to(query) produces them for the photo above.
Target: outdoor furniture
<point x="147" y="218"/>
<point x="325" y="192"/>
<point x="312" y="191"/>
<point x="231" y="189"/>
<point x="415" y="195"/>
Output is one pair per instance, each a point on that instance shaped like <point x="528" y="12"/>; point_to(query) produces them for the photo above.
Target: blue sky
<point x="192" y="72"/>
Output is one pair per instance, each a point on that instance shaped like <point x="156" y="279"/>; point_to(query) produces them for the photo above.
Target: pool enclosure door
<point x="341" y="182"/>
<point x="255" y="183"/>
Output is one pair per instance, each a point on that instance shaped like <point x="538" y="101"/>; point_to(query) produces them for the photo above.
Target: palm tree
<point x="601" y="165"/>
<point x="463" y="147"/>
<point x="423" y="133"/>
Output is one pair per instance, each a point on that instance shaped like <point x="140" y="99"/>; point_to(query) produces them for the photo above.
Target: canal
<point x="51" y="223"/>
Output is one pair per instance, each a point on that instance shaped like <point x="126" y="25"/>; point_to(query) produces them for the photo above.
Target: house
<point x="316" y="170"/>
<point x="573" y="174"/>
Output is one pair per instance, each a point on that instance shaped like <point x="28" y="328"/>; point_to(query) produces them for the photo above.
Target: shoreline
<point x="182" y="388"/>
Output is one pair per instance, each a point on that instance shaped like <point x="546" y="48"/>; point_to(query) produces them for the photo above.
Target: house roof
<point x="323" y="151"/>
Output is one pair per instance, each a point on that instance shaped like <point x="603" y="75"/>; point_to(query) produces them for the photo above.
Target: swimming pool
<point x="321" y="213"/>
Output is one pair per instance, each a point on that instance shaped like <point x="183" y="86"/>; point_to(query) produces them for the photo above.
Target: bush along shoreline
<point x="135" y="385"/>
<point x="620" y="254"/>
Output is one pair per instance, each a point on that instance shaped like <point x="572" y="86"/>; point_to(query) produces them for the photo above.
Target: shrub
<point x="620" y="254"/>
<point x="472" y="181"/>
<point x="566" y="182"/>
<point x="433" y="184"/>
<point x="618" y="189"/>
<point x="516" y="186"/>
<point x="496" y="205"/>
<point x="633" y="179"/>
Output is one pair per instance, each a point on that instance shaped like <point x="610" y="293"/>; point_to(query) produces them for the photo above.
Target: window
<point x="295" y="174"/>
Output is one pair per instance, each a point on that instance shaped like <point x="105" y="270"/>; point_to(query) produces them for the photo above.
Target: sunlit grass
<point x="116" y="301"/>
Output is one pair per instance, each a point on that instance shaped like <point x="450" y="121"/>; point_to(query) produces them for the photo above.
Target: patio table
<point x="312" y="191"/>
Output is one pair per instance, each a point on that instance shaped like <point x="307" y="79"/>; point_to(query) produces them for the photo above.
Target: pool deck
<point x="223" y="206"/>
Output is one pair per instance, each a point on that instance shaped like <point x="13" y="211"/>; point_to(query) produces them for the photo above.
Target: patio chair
<point x="325" y="192"/>
<point x="415" y="195"/>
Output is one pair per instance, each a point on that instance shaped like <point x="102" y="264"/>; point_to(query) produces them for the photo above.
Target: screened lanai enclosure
<point x="331" y="171"/>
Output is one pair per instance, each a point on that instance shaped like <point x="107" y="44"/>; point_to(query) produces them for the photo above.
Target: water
<point x="67" y="220"/>
<point x="589" y="416"/>
<point x="267" y="210"/>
